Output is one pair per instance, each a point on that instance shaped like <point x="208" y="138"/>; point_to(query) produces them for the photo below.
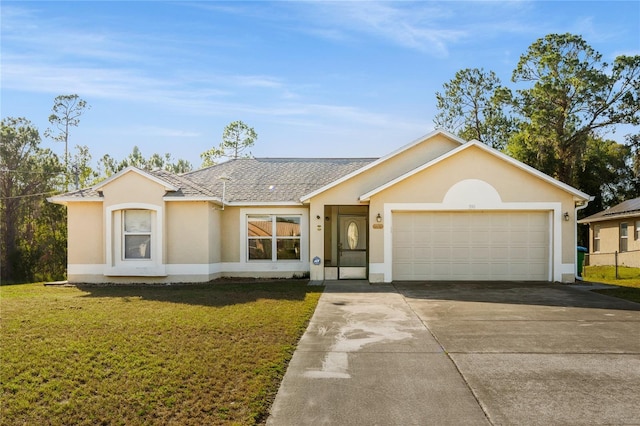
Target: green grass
<point x="627" y="277"/>
<point x="628" y="281"/>
<point x="132" y="355"/>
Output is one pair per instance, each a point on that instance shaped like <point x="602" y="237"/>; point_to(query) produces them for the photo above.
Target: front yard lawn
<point x="628" y="281"/>
<point x="133" y="355"/>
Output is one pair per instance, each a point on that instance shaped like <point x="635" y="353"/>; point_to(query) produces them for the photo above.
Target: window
<point x="272" y="237"/>
<point x="637" y="229"/>
<point x="624" y="236"/>
<point x="136" y="234"/>
<point x="596" y="238"/>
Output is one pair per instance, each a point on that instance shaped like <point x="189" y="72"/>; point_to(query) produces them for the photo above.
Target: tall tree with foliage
<point x="573" y="96"/>
<point x="27" y="174"/>
<point x="66" y="113"/>
<point x="236" y="138"/>
<point x="473" y="106"/>
<point x="109" y="166"/>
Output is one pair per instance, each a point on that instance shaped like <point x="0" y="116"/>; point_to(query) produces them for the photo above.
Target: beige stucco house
<point x="614" y="235"/>
<point x="438" y="208"/>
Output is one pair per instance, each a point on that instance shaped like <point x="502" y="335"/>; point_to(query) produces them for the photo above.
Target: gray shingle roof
<point x="273" y="179"/>
<point x="626" y="208"/>
<point x="253" y="179"/>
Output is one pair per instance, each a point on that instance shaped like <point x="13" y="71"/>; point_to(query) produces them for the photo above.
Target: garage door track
<point x="464" y="353"/>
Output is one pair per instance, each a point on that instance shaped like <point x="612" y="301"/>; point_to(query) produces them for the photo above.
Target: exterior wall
<point x="230" y="234"/>
<point x="610" y="243"/>
<point x="187" y="229"/>
<point x="85" y="241"/>
<point x="133" y="187"/>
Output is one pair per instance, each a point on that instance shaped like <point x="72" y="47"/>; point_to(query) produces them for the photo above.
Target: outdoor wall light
<point x="566" y="216"/>
<point x="378" y="218"/>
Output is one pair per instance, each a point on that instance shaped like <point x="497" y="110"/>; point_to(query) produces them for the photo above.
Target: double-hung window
<point x="273" y="237"/>
<point x="624" y="236"/>
<point x="136" y="234"/>
<point x="596" y="238"/>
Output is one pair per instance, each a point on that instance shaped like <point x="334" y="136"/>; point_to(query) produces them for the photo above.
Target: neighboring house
<point x="615" y="232"/>
<point x="438" y="208"/>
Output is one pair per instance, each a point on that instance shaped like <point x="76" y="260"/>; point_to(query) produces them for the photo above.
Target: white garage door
<point x="471" y="246"/>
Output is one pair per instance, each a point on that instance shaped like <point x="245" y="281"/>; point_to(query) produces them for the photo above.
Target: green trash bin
<point x="581" y="254"/>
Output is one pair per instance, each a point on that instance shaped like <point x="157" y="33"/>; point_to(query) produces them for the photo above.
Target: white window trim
<point x="303" y="213"/>
<point x="116" y="265"/>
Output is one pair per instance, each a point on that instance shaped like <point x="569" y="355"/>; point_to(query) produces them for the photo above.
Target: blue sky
<point x="314" y="79"/>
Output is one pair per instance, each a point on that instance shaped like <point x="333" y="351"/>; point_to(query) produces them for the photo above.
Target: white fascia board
<point x="578" y="195"/>
<point x="193" y="198"/>
<point x="265" y="204"/>
<point x="65" y="200"/>
<point x="166" y="185"/>
<point x="306" y="198"/>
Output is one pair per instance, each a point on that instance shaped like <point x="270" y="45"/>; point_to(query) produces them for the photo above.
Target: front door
<point x="352" y="247"/>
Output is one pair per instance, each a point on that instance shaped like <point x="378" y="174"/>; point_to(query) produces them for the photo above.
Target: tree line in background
<point x="563" y="99"/>
<point x="33" y="242"/>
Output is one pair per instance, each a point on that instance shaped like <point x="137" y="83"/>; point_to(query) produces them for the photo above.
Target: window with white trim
<point x="596" y="238"/>
<point x="637" y="229"/>
<point x="624" y="236"/>
<point x="273" y="237"/>
<point x="136" y="234"/>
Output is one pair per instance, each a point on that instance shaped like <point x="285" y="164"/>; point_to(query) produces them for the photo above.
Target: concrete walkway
<point x="464" y="353"/>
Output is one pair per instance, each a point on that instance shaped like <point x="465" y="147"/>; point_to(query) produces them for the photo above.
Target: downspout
<point x="575" y="237"/>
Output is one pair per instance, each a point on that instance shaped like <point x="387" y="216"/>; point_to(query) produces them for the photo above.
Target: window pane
<point x="623" y="230"/>
<point x="260" y="248"/>
<point x="596" y="231"/>
<point x="259" y="226"/>
<point x="288" y="226"/>
<point x="137" y="221"/>
<point x="596" y="245"/>
<point x="288" y="248"/>
<point x="137" y="247"/>
<point x="623" y="244"/>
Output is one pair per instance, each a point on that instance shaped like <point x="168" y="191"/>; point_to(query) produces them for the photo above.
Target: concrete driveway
<point x="464" y="353"/>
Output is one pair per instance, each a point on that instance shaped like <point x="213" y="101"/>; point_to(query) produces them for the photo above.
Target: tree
<point x="236" y="137"/>
<point x="574" y="96"/>
<point x="27" y="174"/>
<point x="136" y="159"/>
<point x="83" y="174"/>
<point x="66" y="113"/>
<point x="473" y="107"/>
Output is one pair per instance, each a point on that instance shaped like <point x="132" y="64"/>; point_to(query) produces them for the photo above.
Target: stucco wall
<point x="187" y="231"/>
<point x="610" y="243"/>
<point x="132" y="187"/>
<point x="85" y="233"/>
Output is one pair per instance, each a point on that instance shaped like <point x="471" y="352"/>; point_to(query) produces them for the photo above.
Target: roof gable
<point x="474" y="143"/>
<point x="381" y="160"/>
<point x="131" y="169"/>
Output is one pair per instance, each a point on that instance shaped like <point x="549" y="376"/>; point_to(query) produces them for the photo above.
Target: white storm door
<point x="352" y="247"/>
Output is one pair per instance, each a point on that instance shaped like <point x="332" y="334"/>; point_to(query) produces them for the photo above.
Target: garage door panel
<point x="471" y="246"/>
